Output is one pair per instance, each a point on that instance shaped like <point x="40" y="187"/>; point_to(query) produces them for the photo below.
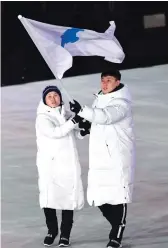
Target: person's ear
<point x="118" y="82"/>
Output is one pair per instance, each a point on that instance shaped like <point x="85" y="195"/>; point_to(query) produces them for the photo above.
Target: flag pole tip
<point x="19" y="16"/>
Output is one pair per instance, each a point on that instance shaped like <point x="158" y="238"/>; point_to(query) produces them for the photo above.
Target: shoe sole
<point x="62" y="245"/>
<point x="113" y="246"/>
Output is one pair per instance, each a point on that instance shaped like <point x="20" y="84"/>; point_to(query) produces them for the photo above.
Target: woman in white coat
<point x="59" y="171"/>
<point x="111" y="152"/>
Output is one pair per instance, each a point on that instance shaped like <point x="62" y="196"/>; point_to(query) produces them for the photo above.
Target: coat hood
<point x="42" y="109"/>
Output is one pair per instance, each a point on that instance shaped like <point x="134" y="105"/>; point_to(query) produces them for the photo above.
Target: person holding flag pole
<point x="111" y="152"/>
<point x="59" y="171"/>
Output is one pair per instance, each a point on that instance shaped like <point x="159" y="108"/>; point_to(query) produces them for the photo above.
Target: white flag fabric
<point x="59" y="44"/>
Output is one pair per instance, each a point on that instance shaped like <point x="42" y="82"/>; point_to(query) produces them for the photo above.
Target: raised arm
<point x="115" y="112"/>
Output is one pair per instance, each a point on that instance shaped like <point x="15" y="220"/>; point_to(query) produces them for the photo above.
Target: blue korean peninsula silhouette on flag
<point x="69" y="36"/>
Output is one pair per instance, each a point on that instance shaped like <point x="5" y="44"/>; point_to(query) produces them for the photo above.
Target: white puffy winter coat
<point x="111" y="148"/>
<point x="59" y="170"/>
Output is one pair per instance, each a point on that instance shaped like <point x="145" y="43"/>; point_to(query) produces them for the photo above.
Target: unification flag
<point x="58" y="44"/>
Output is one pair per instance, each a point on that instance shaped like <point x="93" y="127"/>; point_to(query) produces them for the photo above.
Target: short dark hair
<point x="113" y="73"/>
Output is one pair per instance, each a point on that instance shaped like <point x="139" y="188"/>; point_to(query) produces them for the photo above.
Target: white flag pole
<point x="64" y="91"/>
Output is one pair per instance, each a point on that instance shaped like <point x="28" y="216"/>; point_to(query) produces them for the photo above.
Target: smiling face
<point x="108" y="84"/>
<point x="52" y="99"/>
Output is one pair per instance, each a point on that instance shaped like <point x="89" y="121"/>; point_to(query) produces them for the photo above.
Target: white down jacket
<point x="111" y="148"/>
<point x="58" y="166"/>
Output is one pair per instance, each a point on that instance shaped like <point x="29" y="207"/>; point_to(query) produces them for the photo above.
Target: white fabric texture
<point x="59" y="170"/>
<point x="111" y="148"/>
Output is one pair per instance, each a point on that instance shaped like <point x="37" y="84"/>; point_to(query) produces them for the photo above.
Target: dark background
<point x="21" y="61"/>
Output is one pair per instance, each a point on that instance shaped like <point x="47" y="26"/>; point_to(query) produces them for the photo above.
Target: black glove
<point x="85" y="132"/>
<point x="75" y="107"/>
<point x="76" y="119"/>
<point x="84" y="124"/>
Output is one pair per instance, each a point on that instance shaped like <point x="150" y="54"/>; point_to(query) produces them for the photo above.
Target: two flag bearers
<point x="111" y="152"/>
<point x="111" y="157"/>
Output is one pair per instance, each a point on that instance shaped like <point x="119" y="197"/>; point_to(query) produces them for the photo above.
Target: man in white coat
<point x="58" y="165"/>
<point x="111" y="152"/>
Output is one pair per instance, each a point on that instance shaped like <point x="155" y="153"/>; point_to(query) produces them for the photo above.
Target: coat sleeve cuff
<point x="86" y="113"/>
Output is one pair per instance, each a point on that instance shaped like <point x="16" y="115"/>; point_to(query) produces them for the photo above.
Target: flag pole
<point x="64" y="91"/>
